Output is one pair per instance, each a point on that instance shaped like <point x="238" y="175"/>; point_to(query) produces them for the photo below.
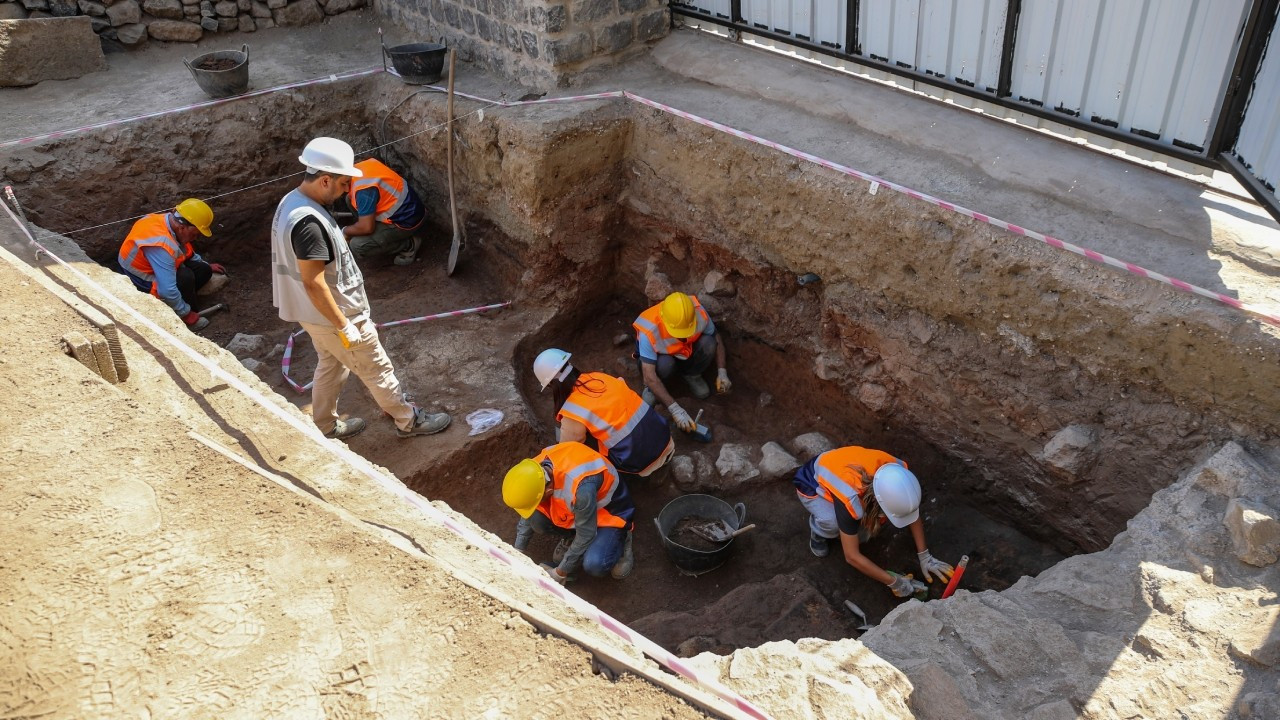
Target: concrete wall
<point x="539" y="43"/>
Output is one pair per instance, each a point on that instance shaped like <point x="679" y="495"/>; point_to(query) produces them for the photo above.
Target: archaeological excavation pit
<point x="1040" y="400"/>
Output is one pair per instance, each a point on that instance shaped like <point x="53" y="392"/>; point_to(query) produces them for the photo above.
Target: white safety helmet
<point x="898" y="492"/>
<point x="326" y="154"/>
<point x="551" y="364"/>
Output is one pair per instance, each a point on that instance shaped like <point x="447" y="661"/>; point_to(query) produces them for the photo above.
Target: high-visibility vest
<point x="154" y="230"/>
<point x="629" y="432"/>
<point x="342" y="275"/>
<point x="392" y="189"/>
<point x="570" y="463"/>
<point x="650" y="325"/>
<point x="834" y="475"/>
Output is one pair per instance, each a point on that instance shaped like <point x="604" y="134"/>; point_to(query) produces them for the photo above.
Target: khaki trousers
<point x="367" y="360"/>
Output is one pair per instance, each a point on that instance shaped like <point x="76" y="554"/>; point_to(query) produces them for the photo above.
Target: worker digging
<point x="317" y="284"/>
<point x="571" y="491"/>
<point x="674" y="337"/>
<point x="159" y="256"/>
<point x="390" y="216"/>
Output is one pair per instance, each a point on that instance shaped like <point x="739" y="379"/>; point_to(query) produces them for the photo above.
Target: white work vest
<point x="342" y="275"/>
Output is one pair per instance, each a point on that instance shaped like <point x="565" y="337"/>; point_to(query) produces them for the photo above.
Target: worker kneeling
<point x="390" y="215"/>
<point x="849" y="492"/>
<point x="569" y="490"/>
<point x="634" y="437"/>
<point x="159" y="257"/>
<point x="676" y="336"/>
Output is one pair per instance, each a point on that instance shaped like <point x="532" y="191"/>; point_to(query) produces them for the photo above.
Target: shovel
<point x="456" y="245"/>
<point x="718" y="531"/>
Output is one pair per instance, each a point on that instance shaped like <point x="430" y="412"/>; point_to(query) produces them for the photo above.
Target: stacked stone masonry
<point x="540" y="43"/>
<point x="128" y="24"/>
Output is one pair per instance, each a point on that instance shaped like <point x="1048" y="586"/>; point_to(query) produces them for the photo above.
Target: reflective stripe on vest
<point x="836" y="472"/>
<point x="611" y="416"/>
<point x="570" y="463"/>
<point x="830" y="484"/>
<point x="650" y="324"/>
<point x="392" y="189"/>
<point x="153" y="230"/>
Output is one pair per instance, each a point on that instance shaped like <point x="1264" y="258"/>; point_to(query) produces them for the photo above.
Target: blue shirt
<point x="408" y="215"/>
<point x="650" y="355"/>
<point x="166" y="276"/>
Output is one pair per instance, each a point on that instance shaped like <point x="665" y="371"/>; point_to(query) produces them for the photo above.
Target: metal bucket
<point x="222" y="83"/>
<point x="417" y="63"/>
<point x="689" y="560"/>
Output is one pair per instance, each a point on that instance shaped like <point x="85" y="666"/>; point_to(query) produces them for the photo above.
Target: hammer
<point x="213" y="309"/>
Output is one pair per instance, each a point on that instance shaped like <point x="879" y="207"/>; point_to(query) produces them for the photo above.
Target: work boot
<point x="648" y="397"/>
<point x="562" y="547"/>
<point x="199" y="325"/>
<point x="346" y="428"/>
<point x="425" y="423"/>
<point x="626" y="563"/>
<point x="818" y="544"/>
<point x="697" y="386"/>
<point x="408" y="256"/>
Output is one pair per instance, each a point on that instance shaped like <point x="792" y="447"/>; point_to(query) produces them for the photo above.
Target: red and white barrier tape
<point x="287" y="359"/>
<point x="193" y="106"/>
<point x="525" y="570"/>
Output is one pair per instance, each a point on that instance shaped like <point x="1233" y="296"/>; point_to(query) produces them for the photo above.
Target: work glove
<point x="930" y="564"/>
<point x="723" y="385"/>
<point x="195" y="321"/>
<point x="681" y="418"/>
<point x="218" y="268"/>
<point x="350" y="335"/>
<point x="905" y="586"/>
<point x="554" y="573"/>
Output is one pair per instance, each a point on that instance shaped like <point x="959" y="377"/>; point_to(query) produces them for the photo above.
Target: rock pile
<point x="127" y="24"/>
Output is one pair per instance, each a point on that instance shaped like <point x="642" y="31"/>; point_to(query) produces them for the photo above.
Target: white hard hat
<point x="898" y="492"/>
<point x="551" y="364"/>
<point x="326" y="154"/>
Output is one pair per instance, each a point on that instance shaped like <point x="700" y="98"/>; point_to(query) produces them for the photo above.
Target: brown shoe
<point x="346" y="428"/>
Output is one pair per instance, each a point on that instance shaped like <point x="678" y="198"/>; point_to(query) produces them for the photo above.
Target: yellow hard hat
<point x="198" y="213"/>
<point x="523" y="487"/>
<point x="678" y="316"/>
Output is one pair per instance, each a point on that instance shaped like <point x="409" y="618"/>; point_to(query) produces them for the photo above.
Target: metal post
<point x="1259" y="26"/>
<point x="1012" y="11"/>
<point x="735" y="10"/>
<point x="851" y="44"/>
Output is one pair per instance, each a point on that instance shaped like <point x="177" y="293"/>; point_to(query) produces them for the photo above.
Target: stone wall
<point x="128" y="24"/>
<point x="540" y="43"/>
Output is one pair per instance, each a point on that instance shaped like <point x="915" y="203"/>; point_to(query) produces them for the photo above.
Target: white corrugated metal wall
<point x="1258" y="146"/>
<point x="958" y="40"/>
<point x="1152" y="67"/>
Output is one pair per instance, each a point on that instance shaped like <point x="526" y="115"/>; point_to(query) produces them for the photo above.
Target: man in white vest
<point x="316" y="283"/>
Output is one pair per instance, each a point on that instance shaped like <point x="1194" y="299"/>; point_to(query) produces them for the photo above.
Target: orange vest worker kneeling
<point x="159" y="257"/>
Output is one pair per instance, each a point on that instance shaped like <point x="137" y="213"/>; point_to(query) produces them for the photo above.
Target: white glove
<point x="723" y="385"/>
<point x="905" y="586"/>
<point x="681" y="418"/>
<point x="554" y="573"/>
<point x="350" y="335"/>
<point x="930" y="564"/>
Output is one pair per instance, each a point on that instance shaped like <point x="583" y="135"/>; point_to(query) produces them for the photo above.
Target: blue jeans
<point x="603" y="552"/>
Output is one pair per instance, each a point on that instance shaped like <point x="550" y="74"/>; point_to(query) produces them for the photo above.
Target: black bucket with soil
<point x="223" y="73"/>
<point x="691" y="553"/>
<point x="417" y="63"/>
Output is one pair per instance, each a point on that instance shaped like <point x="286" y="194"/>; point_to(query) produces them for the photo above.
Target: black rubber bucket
<point x="232" y="79"/>
<point x="689" y="560"/>
<point x="417" y="63"/>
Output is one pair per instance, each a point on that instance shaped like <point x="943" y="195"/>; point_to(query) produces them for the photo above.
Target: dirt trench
<point x="941" y="341"/>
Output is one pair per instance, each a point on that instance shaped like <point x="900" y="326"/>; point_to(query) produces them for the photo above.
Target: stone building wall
<point x="539" y="43"/>
<point x="129" y="24"/>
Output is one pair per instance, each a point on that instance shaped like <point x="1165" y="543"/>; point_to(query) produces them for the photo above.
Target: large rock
<point x="88" y="7"/>
<point x="209" y="23"/>
<point x="167" y="9"/>
<point x="64" y="8"/>
<point x="12" y="11"/>
<point x="776" y="462"/>
<point x="694" y="473"/>
<point x="810" y="445"/>
<point x="735" y="466"/>
<point x="718" y="284"/>
<point x="175" y="31"/>
<point x="247" y="24"/>
<point x="124" y="13"/>
<point x="1255" y="532"/>
<point x="132" y="35"/>
<point x="48" y="49"/>
<point x="334" y="7"/>
<point x="225" y="8"/>
<point x="35" y="4"/>
<point x="246" y="345"/>
<point x="656" y="283"/>
<point x="298" y="12"/>
<point x="1071" y="451"/>
<point x="259" y="10"/>
<point x="228" y="24"/>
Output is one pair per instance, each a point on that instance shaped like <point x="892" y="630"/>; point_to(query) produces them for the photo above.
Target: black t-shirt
<point x="311" y="241"/>
<point x="848" y="524"/>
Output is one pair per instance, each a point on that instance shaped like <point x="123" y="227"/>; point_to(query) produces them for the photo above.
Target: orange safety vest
<point x="392" y="189"/>
<point x="154" y="230"/>
<point x="650" y="325"/>
<point x="839" y="480"/>
<point x="570" y="463"/>
<point x="609" y="416"/>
